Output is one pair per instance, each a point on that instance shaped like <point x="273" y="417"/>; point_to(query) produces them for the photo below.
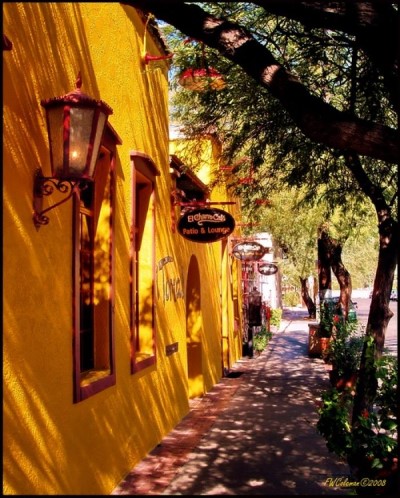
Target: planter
<point x="314" y="346"/>
<point x="317" y="346"/>
<point x="324" y="342"/>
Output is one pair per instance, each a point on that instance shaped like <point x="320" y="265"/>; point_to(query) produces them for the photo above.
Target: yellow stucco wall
<point x="204" y="158"/>
<point x="50" y="444"/>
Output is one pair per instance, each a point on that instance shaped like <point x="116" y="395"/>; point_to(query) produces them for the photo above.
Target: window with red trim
<point x="94" y="368"/>
<point x="143" y="339"/>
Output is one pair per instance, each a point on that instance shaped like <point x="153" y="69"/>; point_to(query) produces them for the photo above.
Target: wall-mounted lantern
<point x="75" y="125"/>
<point x="249" y="251"/>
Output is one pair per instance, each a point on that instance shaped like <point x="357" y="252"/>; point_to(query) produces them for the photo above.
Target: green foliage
<point x="291" y="298"/>
<point x="276" y="316"/>
<point x="334" y="421"/>
<point x="261" y="339"/>
<point x="254" y="126"/>
<point x="345" y="352"/>
<point x="326" y="321"/>
<point x="370" y="446"/>
<point x="360" y="252"/>
<point x="332" y="320"/>
<point x="253" y="122"/>
<point x="294" y="228"/>
<point x="387" y="375"/>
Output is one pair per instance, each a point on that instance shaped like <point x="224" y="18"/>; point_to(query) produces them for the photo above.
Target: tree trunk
<point x="379" y="314"/>
<point x="324" y="266"/>
<point x="305" y="294"/>
<point x="342" y="275"/>
<point x="330" y="254"/>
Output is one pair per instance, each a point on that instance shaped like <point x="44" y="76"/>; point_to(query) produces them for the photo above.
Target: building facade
<point x="112" y="320"/>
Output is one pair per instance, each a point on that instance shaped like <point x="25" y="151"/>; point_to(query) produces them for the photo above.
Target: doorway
<point x="194" y="331"/>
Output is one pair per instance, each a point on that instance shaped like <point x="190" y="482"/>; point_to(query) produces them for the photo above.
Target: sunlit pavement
<point x="253" y="434"/>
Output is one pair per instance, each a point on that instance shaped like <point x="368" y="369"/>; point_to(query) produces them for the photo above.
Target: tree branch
<point x="318" y="120"/>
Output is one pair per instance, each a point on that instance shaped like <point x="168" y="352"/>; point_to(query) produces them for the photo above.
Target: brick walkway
<point x="253" y="433"/>
<point x="155" y="472"/>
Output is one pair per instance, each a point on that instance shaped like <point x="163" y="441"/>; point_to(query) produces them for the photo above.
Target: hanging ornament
<point x="202" y="78"/>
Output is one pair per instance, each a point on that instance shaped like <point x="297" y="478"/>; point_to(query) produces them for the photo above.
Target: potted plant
<point x="369" y="446"/>
<point x="318" y="340"/>
<point x="345" y="353"/>
<point x="261" y="340"/>
<point x="319" y="334"/>
<point x="345" y="357"/>
<point x="198" y="75"/>
<point x="275" y="318"/>
<point x="201" y="79"/>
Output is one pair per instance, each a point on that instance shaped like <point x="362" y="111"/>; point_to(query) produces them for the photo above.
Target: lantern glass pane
<point x="55" y="117"/>
<point x="96" y="143"/>
<point x="79" y="140"/>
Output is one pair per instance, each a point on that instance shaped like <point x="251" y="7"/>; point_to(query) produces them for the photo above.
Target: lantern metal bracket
<point x="44" y="186"/>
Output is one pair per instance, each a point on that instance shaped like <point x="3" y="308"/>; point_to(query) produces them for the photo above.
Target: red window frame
<point x="83" y="215"/>
<point x="144" y="173"/>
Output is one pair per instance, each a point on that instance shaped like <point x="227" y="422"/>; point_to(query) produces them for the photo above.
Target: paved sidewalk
<point x="253" y="434"/>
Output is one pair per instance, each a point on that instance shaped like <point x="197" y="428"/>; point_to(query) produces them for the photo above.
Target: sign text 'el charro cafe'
<point x="206" y="225"/>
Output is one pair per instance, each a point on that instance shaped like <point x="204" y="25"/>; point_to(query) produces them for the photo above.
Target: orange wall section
<point x="52" y="445"/>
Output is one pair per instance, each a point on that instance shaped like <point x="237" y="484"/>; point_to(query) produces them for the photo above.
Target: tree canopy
<point x="312" y="98"/>
<point x="287" y="47"/>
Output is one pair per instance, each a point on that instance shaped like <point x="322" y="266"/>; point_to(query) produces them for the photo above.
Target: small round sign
<point x="267" y="269"/>
<point x="206" y="225"/>
<point x="249" y="251"/>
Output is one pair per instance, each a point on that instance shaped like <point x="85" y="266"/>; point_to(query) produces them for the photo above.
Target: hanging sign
<point x="206" y="225"/>
<point x="267" y="269"/>
<point x="249" y="251"/>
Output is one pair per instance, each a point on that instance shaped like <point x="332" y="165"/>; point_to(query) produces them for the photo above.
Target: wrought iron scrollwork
<point x="46" y="186"/>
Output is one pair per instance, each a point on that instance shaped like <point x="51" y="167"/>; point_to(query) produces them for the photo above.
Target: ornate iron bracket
<point x="45" y="186"/>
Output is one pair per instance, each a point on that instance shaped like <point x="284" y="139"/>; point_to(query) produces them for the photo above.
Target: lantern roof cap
<point x="77" y="98"/>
